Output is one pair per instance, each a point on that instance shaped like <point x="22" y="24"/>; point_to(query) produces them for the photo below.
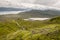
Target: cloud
<point x="29" y="3"/>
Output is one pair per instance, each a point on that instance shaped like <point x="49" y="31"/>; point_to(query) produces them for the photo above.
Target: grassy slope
<point x="18" y="29"/>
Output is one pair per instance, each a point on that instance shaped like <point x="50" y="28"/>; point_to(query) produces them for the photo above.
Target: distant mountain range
<point x="34" y="14"/>
<point x="40" y="13"/>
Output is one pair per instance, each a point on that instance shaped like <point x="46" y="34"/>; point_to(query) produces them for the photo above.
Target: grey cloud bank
<point x="34" y="4"/>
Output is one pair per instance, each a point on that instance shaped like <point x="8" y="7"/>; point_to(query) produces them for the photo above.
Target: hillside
<point x="40" y="13"/>
<point x="35" y="14"/>
<point x="19" y="29"/>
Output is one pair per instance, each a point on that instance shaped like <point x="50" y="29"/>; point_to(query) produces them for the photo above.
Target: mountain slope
<point x="19" y="29"/>
<point x="40" y="13"/>
<point x="35" y="14"/>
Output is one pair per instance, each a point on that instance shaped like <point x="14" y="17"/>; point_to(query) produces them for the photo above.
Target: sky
<point x="52" y="3"/>
<point x="32" y="4"/>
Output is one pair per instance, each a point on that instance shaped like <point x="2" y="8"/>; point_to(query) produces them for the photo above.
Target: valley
<point x="14" y="27"/>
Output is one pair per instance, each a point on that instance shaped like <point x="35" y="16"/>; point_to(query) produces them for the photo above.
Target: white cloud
<point x="30" y="3"/>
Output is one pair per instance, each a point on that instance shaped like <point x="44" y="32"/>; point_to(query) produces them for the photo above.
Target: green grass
<point x="19" y="29"/>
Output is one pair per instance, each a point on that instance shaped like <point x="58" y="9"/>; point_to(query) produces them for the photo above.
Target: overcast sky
<point x="55" y="3"/>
